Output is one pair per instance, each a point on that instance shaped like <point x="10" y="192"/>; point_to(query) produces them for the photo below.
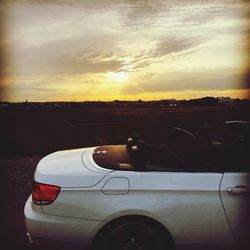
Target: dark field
<point x="29" y="134"/>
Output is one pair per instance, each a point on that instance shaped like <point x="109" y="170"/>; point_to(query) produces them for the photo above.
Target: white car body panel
<point x="174" y="199"/>
<point x="53" y="229"/>
<point x="69" y="168"/>
<point x="237" y="205"/>
<point x="192" y="206"/>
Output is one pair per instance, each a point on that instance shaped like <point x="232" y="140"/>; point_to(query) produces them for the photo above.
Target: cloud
<point x="203" y="14"/>
<point x="157" y="52"/>
<point x="45" y="88"/>
<point x="74" y="65"/>
<point x="219" y="79"/>
<point x="169" y="46"/>
<point x="179" y="14"/>
<point x="71" y="56"/>
<point x="148" y="39"/>
<point x="58" y="38"/>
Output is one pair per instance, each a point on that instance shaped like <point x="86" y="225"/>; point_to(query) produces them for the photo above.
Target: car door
<point x="188" y="204"/>
<point x="235" y="195"/>
<point x="183" y="195"/>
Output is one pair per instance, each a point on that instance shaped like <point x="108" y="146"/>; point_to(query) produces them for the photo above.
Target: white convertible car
<point x="181" y="195"/>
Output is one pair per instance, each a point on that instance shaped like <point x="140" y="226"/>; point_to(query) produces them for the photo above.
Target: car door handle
<point x="238" y="190"/>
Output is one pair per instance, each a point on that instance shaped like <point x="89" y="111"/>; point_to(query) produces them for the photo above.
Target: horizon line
<point x="118" y="100"/>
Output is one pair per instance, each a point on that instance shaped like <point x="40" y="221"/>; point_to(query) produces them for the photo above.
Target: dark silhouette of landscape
<point x="30" y="130"/>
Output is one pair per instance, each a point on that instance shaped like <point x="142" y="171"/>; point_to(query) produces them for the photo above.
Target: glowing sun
<point x="118" y="76"/>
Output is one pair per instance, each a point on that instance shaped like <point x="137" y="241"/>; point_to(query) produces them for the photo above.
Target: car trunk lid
<point x="70" y="168"/>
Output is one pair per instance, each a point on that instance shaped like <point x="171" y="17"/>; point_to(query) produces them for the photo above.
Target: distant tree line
<point x="168" y="103"/>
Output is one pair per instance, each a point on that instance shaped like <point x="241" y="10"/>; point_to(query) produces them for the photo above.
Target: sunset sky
<point x="127" y="50"/>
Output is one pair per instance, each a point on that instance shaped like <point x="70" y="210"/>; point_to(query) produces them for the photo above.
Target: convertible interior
<point x="183" y="151"/>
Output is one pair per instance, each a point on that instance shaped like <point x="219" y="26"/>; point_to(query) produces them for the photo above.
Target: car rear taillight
<point x="44" y="194"/>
